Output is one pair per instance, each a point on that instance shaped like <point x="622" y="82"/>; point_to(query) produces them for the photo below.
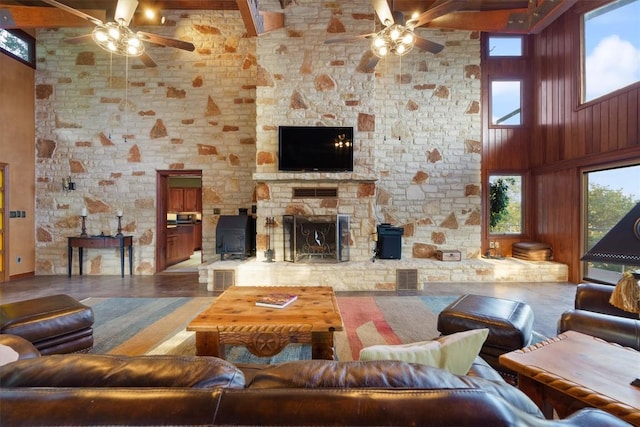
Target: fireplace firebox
<point x="316" y="239"/>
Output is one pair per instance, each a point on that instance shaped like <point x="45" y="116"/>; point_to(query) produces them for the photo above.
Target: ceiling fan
<point x="116" y="36"/>
<point x="398" y="37"/>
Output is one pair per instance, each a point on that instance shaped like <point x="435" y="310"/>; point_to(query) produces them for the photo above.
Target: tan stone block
<point x="450" y="222"/>
<point x="434" y="156"/>
<point x="420" y="177"/>
<point x="86" y="58"/>
<point x="474" y="218"/>
<point x="75" y="166"/>
<point x="146" y="238"/>
<point x="423" y="250"/>
<point x="43" y="235"/>
<point x="134" y="154"/>
<point x="45" y="148"/>
<point x="158" y="130"/>
<point x="297" y="101"/>
<point x="43" y="91"/>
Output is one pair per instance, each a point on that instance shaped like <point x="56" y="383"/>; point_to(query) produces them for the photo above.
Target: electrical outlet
<point x="492" y="245"/>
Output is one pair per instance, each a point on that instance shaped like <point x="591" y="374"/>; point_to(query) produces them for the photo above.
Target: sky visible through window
<point x="626" y="179"/>
<point x="612" y="48"/>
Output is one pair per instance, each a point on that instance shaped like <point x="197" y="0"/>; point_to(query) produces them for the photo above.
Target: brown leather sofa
<point x="594" y="315"/>
<point x="80" y="389"/>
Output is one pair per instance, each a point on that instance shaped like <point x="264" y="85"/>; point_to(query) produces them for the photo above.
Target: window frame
<point x="523" y="203"/>
<point x="505" y="36"/>
<point x="582" y="56"/>
<point x="29" y="40"/>
<point x="491" y="80"/>
<point x="600" y="276"/>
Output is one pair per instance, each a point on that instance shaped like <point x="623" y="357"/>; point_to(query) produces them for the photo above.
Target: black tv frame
<point x="313" y="148"/>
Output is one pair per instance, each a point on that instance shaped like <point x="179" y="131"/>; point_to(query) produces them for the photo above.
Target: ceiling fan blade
<point x="73" y="11"/>
<point x="348" y="39"/>
<point x="427" y="45"/>
<point x="383" y="11"/>
<point x="125" y="10"/>
<point x="79" y="39"/>
<point x="166" y="41"/>
<point x="440" y="10"/>
<point x="372" y="63"/>
<point x="147" y="60"/>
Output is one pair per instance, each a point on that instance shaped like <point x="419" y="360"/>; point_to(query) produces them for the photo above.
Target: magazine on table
<point x="276" y="300"/>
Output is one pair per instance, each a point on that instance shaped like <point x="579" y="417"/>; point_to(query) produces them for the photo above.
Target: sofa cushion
<point x="455" y="352"/>
<point x="92" y="370"/>
<point x="380" y="374"/>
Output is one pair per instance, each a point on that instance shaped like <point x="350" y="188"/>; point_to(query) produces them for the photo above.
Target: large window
<point x="611" y="56"/>
<point x="609" y="195"/>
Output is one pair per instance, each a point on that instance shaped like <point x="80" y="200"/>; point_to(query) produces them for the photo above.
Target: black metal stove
<point x="235" y="235"/>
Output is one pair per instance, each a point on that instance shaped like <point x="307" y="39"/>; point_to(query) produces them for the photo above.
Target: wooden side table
<point x="574" y="370"/>
<point x="101" y="242"/>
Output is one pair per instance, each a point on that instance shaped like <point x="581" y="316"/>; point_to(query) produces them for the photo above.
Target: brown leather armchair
<point x="594" y="315"/>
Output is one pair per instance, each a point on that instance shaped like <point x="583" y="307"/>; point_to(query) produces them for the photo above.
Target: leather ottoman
<point x="53" y="324"/>
<point x="510" y="324"/>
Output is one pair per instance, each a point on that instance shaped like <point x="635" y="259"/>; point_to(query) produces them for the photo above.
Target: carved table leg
<point x="208" y="344"/>
<point x="322" y="345"/>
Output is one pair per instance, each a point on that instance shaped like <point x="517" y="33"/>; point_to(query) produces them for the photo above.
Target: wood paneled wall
<point x="566" y="137"/>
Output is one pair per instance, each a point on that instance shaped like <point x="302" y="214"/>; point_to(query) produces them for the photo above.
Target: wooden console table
<point x="98" y="242"/>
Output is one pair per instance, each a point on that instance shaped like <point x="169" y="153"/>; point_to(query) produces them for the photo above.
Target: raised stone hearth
<point x="381" y="274"/>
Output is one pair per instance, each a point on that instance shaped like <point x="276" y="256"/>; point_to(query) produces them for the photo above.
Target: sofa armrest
<point x="620" y="330"/>
<point x="24" y="348"/>
<point x="595" y="297"/>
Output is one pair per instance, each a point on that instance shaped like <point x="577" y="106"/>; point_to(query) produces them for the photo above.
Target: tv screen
<point x="315" y="148"/>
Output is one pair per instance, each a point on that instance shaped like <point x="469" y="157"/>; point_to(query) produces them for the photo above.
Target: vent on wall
<point x="319" y="193"/>
<point x="223" y="279"/>
<point x="407" y="280"/>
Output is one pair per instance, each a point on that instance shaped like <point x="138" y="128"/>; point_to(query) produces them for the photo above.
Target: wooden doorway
<point x="4" y="236"/>
<point x="162" y="207"/>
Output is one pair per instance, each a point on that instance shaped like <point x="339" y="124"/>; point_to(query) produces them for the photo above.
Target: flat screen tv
<point x="315" y="148"/>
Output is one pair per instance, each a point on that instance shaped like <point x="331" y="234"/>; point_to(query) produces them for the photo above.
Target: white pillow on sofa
<point x="455" y="352"/>
<point x="7" y="355"/>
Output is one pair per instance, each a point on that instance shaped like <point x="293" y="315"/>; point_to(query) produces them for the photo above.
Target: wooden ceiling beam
<point x="510" y="21"/>
<point x="258" y="22"/>
<point x="26" y="17"/>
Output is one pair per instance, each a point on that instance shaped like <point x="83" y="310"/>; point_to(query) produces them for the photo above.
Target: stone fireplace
<point x="315" y="238"/>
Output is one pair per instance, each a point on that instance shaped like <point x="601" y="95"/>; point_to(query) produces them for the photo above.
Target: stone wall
<point x="417" y="131"/>
<point x="194" y="111"/>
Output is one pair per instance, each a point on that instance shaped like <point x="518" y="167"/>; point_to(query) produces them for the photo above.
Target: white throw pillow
<point x="459" y="350"/>
<point x="7" y="355"/>
<point x="455" y="352"/>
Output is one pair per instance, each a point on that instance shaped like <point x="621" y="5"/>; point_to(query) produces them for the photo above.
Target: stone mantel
<point x="313" y="177"/>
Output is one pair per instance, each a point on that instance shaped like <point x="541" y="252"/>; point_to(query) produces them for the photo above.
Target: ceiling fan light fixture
<point x="117" y="39"/>
<point x="398" y="40"/>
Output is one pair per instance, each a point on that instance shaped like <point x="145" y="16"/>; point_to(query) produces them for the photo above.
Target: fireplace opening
<point x="316" y="239"/>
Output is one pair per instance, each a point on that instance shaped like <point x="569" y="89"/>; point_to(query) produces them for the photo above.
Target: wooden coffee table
<point x="233" y="318"/>
<point x="574" y="370"/>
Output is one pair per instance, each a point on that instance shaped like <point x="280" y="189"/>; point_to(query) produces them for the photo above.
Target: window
<point x="505" y="46"/>
<point x="18" y="45"/>
<point x="506" y="102"/>
<point x="505" y="204"/>
<point x="611" y="56"/>
<point x="609" y="195"/>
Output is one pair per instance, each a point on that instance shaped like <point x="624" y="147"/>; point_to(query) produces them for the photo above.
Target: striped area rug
<point x="137" y="326"/>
